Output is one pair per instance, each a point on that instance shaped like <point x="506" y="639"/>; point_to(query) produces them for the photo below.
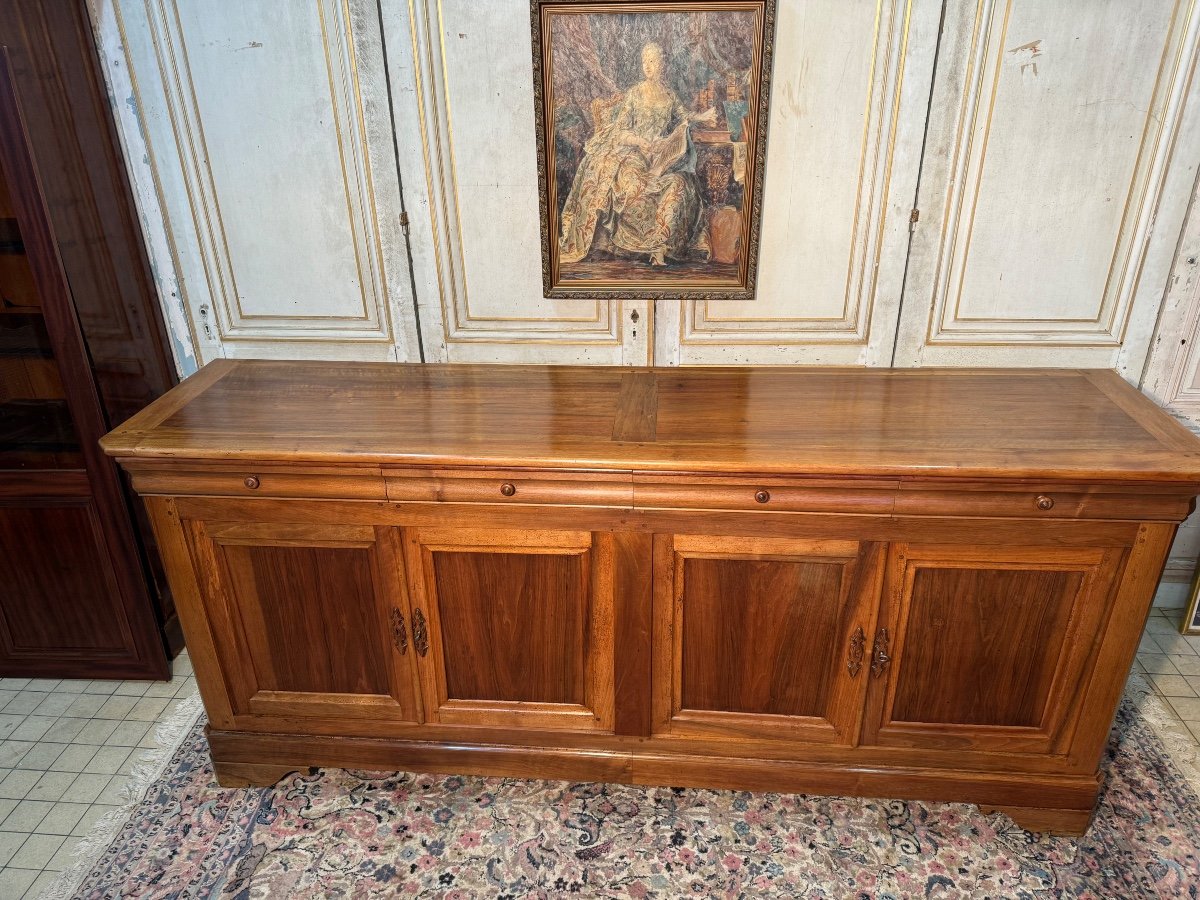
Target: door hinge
<point x="404" y="223"/>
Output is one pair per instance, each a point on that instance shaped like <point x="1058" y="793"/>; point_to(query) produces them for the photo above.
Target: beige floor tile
<point x="43" y="684"/>
<point x="96" y="731"/>
<point x="75" y="758"/>
<point x="93" y="814"/>
<point x="86" y="705"/>
<point x="1158" y="663"/>
<point x="63" y="857"/>
<point x="147" y="709"/>
<point x="15" y="882"/>
<point x="127" y="734"/>
<point x="1174" y="643"/>
<point x="116" y="707"/>
<point x="13" y="684"/>
<point x="40" y="756"/>
<point x="1185" y="665"/>
<point x="1161" y="625"/>
<point x="1187" y="708"/>
<point x="37" y="850"/>
<point x="132" y="688"/>
<point x="40" y="885"/>
<point x="24" y="703"/>
<point x="17" y="784"/>
<point x="12" y="752"/>
<point x="166" y="689"/>
<point x="10" y="843"/>
<point x="65" y="730"/>
<point x="101" y="687"/>
<point x="107" y="760"/>
<point x="7" y="805"/>
<point x="86" y="788"/>
<point x="113" y="792"/>
<point x="62" y="818"/>
<point x="55" y="704"/>
<point x="34" y="728"/>
<point x="51" y="786"/>
<point x="1172" y="685"/>
<point x="26" y="816"/>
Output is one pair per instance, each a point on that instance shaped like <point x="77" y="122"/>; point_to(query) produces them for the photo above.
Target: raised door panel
<point x="985" y="649"/>
<point x="761" y="638"/>
<point x="1052" y="188"/>
<point x="309" y="620"/>
<point x="60" y="604"/>
<point x="514" y="628"/>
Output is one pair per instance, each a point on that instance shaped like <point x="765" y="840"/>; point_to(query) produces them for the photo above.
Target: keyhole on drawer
<point x="633" y="317"/>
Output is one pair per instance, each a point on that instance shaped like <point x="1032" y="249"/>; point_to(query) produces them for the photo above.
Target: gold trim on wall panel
<point x="1106" y="327"/>
<point x="460" y="324"/>
<point x="373" y="324"/>
<point x="702" y="321"/>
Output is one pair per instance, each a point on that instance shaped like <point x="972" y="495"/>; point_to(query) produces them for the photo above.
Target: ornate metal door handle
<point x="399" y="632"/>
<point x="854" y="658"/>
<point x="879" y="653"/>
<point x="420" y="632"/>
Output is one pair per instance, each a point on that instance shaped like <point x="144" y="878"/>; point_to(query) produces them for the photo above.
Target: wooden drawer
<point x="509" y="487"/>
<point x="873" y="497"/>
<point x="343" y="483"/>
<point x="1038" y="501"/>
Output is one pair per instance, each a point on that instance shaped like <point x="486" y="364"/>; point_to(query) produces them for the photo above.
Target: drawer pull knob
<point x="508" y="489"/>
<point x="762" y="496"/>
<point x="252" y="482"/>
<point x="1044" y="502"/>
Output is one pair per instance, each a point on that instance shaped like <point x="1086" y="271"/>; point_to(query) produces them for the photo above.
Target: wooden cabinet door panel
<point x="310" y="619"/>
<point x="519" y="626"/>
<point x="984" y="648"/>
<point x="762" y="638"/>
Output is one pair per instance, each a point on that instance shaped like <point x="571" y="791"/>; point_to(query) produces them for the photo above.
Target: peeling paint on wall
<point x="118" y="83"/>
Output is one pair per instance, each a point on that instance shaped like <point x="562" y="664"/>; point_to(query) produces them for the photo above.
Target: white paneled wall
<point x="1050" y="150"/>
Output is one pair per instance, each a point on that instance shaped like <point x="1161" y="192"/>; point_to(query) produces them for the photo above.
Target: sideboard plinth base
<point x="243" y="759"/>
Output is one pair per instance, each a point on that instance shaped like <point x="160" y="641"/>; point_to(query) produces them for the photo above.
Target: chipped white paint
<point x="115" y="67"/>
<point x="270" y="150"/>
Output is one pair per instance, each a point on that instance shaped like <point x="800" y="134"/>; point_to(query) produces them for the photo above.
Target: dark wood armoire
<point x="82" y="348"/>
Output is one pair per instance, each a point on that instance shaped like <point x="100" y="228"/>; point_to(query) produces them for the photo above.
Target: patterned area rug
<point x="356" y="834"/>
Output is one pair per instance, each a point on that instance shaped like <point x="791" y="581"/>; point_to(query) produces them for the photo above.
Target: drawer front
<point x="1036" y="502"/>
<point x="508" y="487"/>
<point x="874" y="497"/>
<point x="255" y="482"/>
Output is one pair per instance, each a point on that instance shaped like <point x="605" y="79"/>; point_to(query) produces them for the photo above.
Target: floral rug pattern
<point x="340" y="833"/>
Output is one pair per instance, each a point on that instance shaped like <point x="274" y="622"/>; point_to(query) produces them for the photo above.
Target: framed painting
<point x="651" y="145"/>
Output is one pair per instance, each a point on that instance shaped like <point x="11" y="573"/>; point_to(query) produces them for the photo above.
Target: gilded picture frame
<point x="1191" y="621"/>
<point x="651" y="123"/>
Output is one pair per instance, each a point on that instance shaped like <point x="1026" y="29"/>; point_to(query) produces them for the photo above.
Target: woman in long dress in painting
<point x="635" y="187"/>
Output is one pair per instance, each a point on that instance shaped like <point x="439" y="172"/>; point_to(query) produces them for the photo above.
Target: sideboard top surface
<point x="958" y="423"/>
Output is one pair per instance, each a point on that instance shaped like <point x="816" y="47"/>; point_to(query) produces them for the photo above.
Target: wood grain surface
<point x="961" y="423"/>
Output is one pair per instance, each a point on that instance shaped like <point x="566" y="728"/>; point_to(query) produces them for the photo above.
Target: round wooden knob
<point x="1044" y="502"/>
<point x="762" y="496"/>
<point x="251" y="481"/>
<point x="508" y="489"/>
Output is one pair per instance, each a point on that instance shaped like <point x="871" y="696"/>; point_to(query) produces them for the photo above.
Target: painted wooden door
<point x="309" y="620"/>
<point x="762" y="638"/>
<point x="513" y="628"/>
<point x="1063" y="140"/>
<point x="985" y="648"/>
<point x="263" y="159"/>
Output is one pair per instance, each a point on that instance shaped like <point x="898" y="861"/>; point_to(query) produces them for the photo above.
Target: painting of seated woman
<point x="652" y="147"/>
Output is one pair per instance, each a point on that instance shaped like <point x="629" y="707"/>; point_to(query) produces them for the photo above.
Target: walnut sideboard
<point x="923" y="584"/>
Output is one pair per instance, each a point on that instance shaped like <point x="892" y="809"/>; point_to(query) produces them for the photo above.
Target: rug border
<point x="169" y="735"/>
<point x="1179" y="744"/>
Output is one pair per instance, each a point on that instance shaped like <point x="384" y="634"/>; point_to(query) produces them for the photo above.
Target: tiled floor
<point x="66" y="748"/>
<point x="1171" y="663"/>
